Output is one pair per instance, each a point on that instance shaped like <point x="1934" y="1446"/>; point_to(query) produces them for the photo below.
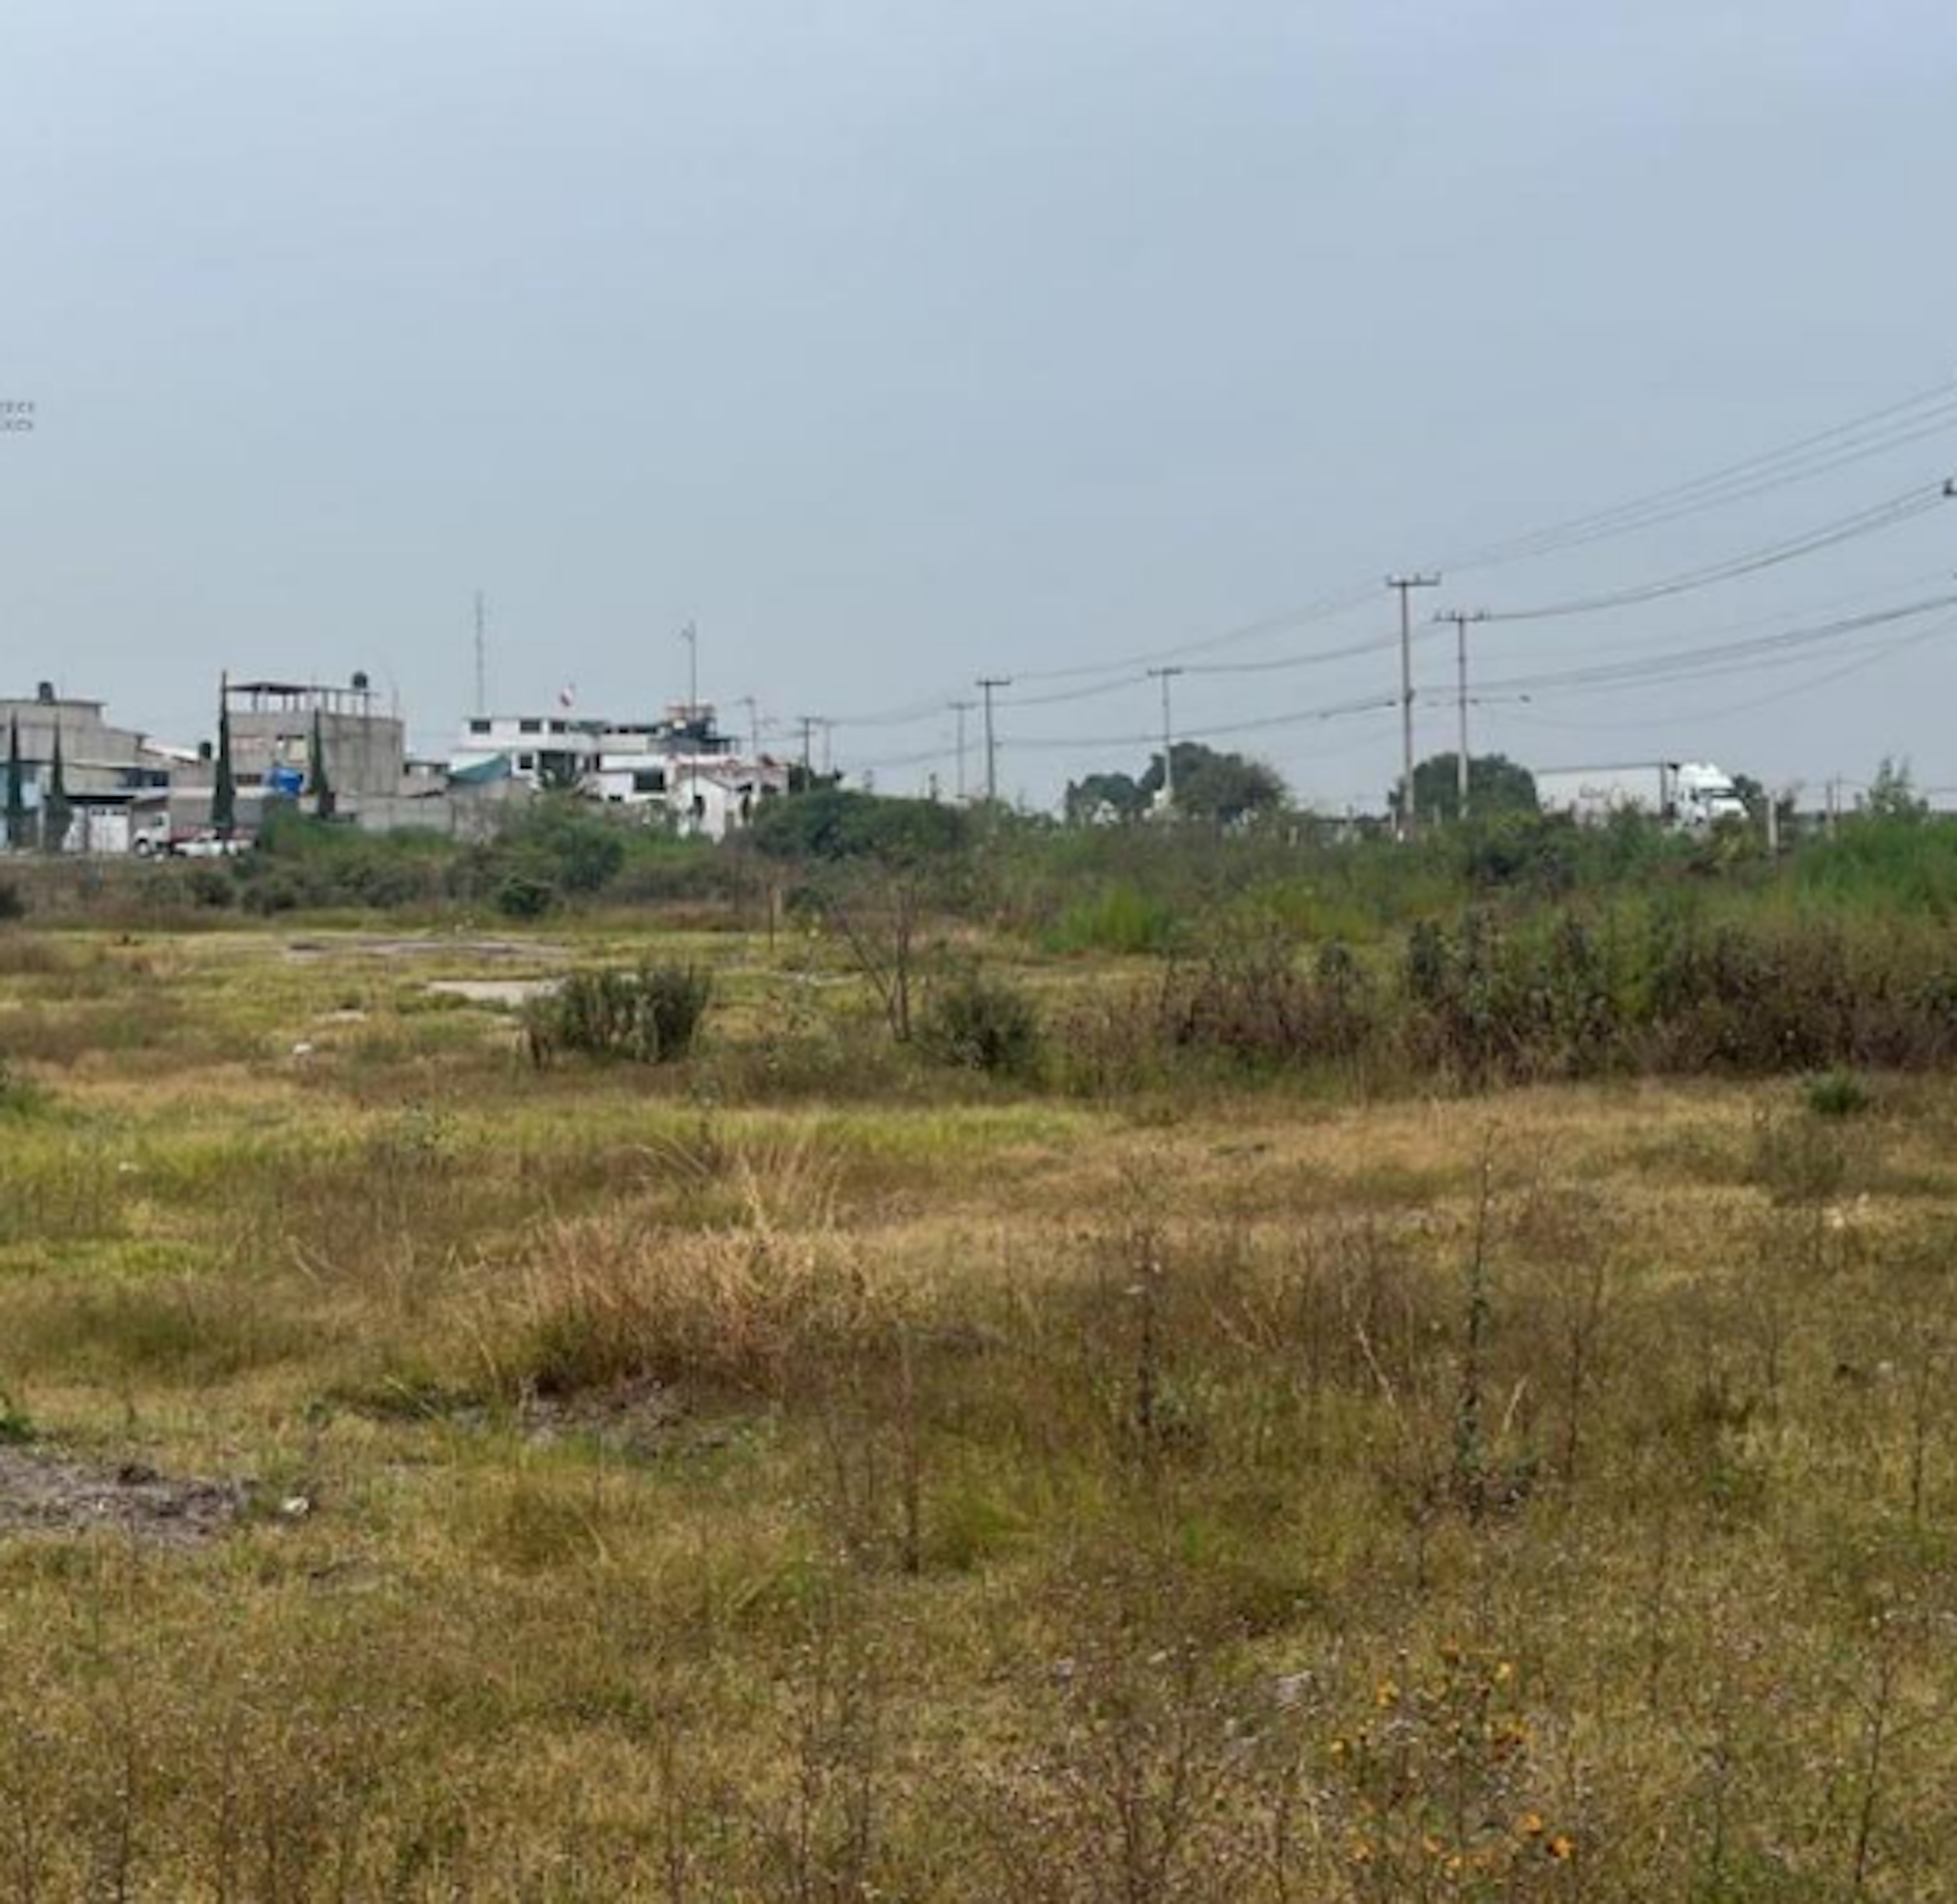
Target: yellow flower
<point x="1562" y="1847"/>
<point x="1386" y="1694"/>
<point x="1360" y="1852"/>
<point x="1504" y="1672"/>
<point x="1530" y="1824"/>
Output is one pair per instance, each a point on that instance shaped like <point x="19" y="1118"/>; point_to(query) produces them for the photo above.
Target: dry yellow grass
<point x="930" y="1492"/>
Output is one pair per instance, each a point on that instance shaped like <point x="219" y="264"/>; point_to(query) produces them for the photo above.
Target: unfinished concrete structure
<point x="114" y="777"/>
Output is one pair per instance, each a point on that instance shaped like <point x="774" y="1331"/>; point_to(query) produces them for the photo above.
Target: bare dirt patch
<point x="507" y="993"/>
<point x="45" y="1493"/>
<point x="373" y="945"/>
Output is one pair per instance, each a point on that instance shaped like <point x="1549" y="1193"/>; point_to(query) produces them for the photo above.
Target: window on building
<point x="650" y="780"/>
<point x="529" y="727"/>
<point x="526" y="763"/>
<point x="478" y="727"/>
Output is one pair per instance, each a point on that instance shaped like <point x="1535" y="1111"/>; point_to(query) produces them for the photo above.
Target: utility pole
<point x="1460" y="617"/>
<point x="986" y="684"/>
<point x="961" y="709"/>
<point x="1165" y="675"/>
<point x="481" y="657"/>
<point x="808" y="748"/>
<point x="753" y="708"/>
<point x="1405" y="584"/>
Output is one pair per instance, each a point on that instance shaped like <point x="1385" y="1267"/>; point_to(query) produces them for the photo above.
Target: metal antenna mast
<point x="482" y="656"/>
<point x="689" y="634"/>
<point x="1403" y="821"/>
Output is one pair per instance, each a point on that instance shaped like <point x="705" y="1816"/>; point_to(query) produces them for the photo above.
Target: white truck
<point x="1686" y="795"/>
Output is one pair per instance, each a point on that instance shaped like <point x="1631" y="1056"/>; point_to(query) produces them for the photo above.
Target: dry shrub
<point x="651" y="1016"/>
<point x="600" y="1300"/>
<point x="27" y="955"/>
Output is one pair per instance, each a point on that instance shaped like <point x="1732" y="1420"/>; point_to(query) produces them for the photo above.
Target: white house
<point x="682" y="766"/>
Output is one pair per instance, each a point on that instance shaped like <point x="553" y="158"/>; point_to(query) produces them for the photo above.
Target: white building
<point x="541" y="750"/>
<point x="682" y="767"/>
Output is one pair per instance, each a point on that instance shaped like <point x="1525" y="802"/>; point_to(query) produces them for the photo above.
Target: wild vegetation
<point x="1098" y="1366"/>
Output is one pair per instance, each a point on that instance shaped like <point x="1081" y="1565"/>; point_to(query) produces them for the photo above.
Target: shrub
<point x="12" y="905"/>
<point x="839" y="823"/>
<point x="651" y="1016"/>
<point x="1838" y="1094"/>
<point x="18" y="1097"/>
<point x="985" y="1023"/>
<point x="282" y="891"/>
<point x="1119" y="917"/>
<point x="211" y="886"/>
<point x="576" y="850"/>
<point x="1521" y="850"/>
<point x="524" y="895"/>
<point x="600" y="1302"/>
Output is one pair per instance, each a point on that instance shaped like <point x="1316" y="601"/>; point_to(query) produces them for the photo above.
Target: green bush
<point x="522" y="895"/>
<point x="1119" y="917"/>
<point x="18" y="1097"/>
<point x="838" y="822"/>
<point x="1838" y="1094"/>
<point x="576" y="850"/>
<point x="210" y="886"/>
<point x="651" y="1016"/>
<point x="983" y="1023"/>
<point x="13" y="904"/>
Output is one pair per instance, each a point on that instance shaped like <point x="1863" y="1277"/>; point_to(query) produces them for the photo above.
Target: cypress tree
<point x="17" y="789"/>
<point x="325" y="802"/>
<point x="224" y="787"/>
<point x="57" y="810"/>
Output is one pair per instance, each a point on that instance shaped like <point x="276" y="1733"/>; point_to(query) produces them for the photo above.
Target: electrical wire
<point x="1893" y="426"/>
<point x="1889" y="513"/>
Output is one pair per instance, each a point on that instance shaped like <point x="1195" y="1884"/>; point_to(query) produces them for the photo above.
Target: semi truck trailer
<point x="1687" y="795"/>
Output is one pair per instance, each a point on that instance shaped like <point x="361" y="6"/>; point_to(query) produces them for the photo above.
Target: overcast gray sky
<point x="896" y="340"/>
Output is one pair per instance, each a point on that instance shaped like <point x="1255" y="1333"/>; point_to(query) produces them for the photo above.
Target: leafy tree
<point x="1893" y="794"/>
<point x="1119" y="796"/>
<point x="1496" y="785"/>
<point x="325" y="801"/>
<point x="834" y="823"/>
<point x="1223" y="788"/>
<point x="562" y="841"/>
<point x="57" y="810"/>
<point x="17" y="790"/>
<point x="808" y="780"/>
<point x="224" y="786"/>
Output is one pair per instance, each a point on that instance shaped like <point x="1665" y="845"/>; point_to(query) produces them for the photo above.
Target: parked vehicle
<point x="1687" y="795"/>
<point x="202" y="843"/>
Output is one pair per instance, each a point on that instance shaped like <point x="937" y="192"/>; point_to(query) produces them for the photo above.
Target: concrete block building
<point x="116" y="778"/>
